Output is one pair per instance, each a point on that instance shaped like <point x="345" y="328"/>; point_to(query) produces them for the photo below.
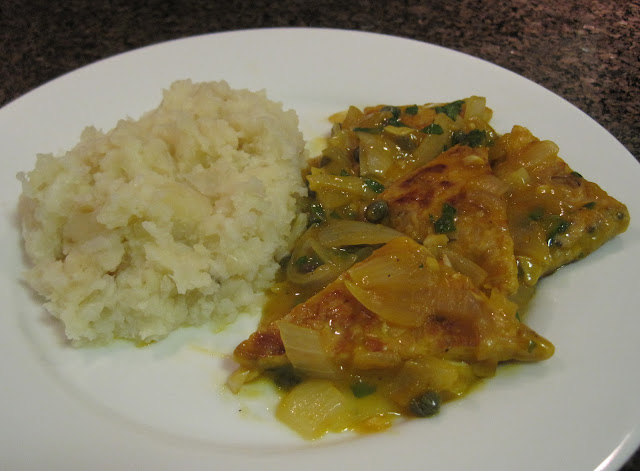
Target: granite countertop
<point x="586" y="51"/>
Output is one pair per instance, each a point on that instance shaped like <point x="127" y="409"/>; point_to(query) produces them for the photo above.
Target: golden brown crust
<point x="555" y="215"/>
<point x="350" y="332"/>
<point x="481" y="230"/>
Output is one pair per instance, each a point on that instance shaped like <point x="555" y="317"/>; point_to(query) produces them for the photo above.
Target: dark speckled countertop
<point x="587" y="51"/>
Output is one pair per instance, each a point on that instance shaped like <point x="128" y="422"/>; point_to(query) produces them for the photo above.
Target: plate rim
<point x="631" y="441"/>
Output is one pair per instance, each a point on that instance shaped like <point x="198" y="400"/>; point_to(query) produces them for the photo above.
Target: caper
<point x="425" y="405"/>
<point x="285" y="377"/>
<point x="376" y="211"/>
<point x="307" y="264"/>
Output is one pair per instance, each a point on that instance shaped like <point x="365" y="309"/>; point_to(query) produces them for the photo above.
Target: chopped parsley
<point x="377" y="187"/>
<point x="411" y="110"/>
<point x="446" y="222"/>
<point x="369" y="130"/>
<point x="452" y="110"/>
<point x="397" y="123"/>
<point x="433" y="128"/>
<point x="316" y="214"/>
<point x="560" y="227"/>
<point x="474" y="138"/>
<point x="589" y="205"/>
<point x="394" y="120"/>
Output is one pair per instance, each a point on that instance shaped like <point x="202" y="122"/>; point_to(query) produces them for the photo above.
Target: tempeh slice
<point x="396" y="308"/>
<point x="555" y="215"/>
<point x="457" y="196"/>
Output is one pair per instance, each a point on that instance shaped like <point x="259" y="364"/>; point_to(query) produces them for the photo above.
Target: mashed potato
<point x="174" y="219"/>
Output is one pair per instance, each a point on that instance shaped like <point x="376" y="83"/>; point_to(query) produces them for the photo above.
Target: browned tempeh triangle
<point x="459" y="178"/>
<point x="555" y="215"/>
<point x="401" y="305"/>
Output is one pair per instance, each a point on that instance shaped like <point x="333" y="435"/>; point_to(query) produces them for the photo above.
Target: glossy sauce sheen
<point x="367" y="334"/>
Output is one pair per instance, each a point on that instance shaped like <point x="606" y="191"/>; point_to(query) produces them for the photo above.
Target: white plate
<point x="164" y="407"/>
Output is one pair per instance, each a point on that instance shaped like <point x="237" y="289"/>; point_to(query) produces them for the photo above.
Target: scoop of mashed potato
<point x="174" y="219"/>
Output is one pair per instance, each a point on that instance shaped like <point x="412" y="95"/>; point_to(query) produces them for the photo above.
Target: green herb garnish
<point x="377" y="187"/>
<point x="474" y="138"/>
<point x="452" y="110"/>
<point x="397" y="123"/>
<point x="369" y="130"/>
<point x="316" y="214"/>
<point x="411" y="110"/>
<point x="561" y="227"/>
<point x="433" y="128"/>
<point x="446" y="222"/>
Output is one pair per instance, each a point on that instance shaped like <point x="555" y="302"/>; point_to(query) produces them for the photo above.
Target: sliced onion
<point x="432" y="144"/>
<point x="435" y="242"/>
<point x="352" y="117"/>
<point x="538" y="152"/>
<point x="391" y="268"/>
<point x="396" y="282"/>
<point x="465" y="266"/>
<point x="342" y="233"/>
<point x="518" y="178"/>
<point x="312" y="408"/>
<point x="430" y="147"/>
<point x="475" y="107"/>
<point x="387" y="305"/>
<point x="402" y="284"/>
<point x="320" y="181"/>
<point x="376" y="157"/>
<point x="334" y="191"/>
<point x="322" y="275"/>
<point x="333" y="264"/>
<point x="240" y="377"/>
<point x="304" y="350"/>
